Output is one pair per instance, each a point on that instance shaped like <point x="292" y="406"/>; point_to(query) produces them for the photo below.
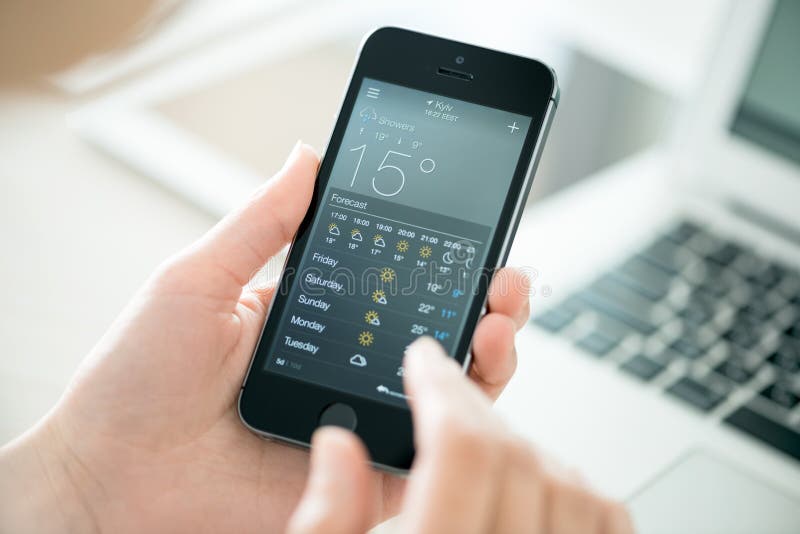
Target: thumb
<point x="228" y="255"/>
<point x="338" y="496"/>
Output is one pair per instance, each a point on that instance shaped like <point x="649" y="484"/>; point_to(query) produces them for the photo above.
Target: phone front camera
<point x="459" y="59"/>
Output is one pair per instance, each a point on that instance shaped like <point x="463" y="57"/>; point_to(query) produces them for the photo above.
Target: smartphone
<point x="416" y="202"/>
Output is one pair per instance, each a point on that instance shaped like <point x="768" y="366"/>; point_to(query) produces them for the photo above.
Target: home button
<point x="338" y="414"/>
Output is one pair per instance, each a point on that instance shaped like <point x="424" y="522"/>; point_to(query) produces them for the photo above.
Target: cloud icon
<point x="367" y="114"/>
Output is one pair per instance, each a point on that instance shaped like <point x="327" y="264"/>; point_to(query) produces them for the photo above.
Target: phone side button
<point x="339" y="414"/>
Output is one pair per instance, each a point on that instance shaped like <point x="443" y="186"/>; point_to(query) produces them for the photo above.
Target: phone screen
<point x="399" y="240"/>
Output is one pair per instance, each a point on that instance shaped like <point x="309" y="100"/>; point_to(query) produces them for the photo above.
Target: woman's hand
<point x="470" y="475"/>
<point x="147" y="438"/>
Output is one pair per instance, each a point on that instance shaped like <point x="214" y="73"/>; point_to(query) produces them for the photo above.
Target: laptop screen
<point x="769" y="112"/>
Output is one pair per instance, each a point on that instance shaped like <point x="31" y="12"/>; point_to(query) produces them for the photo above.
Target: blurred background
<point x="112" y="165"/>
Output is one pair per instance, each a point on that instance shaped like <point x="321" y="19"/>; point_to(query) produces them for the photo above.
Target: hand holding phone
<point x="415" y="206"/>
<point x="471" y="475"/>
<point x="155" y="399"/>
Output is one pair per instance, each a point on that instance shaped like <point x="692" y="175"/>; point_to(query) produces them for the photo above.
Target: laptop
<point x="663" y="355"/>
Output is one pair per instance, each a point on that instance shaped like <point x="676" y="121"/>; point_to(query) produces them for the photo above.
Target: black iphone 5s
<point x="416" y="202"/>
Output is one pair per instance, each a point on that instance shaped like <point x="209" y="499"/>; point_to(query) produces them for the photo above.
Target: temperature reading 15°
<point x="390" y="176"/>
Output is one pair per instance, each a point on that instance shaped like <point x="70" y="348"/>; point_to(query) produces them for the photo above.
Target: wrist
<point x="40" y="488"/>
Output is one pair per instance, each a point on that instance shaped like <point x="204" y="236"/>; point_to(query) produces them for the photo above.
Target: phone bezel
<point x="500" y="80"/>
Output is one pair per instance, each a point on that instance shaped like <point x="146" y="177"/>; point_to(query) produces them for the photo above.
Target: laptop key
<point x="787" y="356"/>
<point x="688" y="348"/>
<point x="665" y="356"/>
<point x="696" y="394"/>
<point x="693" y="342"/>
<point x="598" y="344"/>
<point x="789" y="285"/>
<point x="682" y="232"/>
<point x="771" y="432"/>
<point x="642" y="367"/>
<point x="624" y="295"/>
<point x="696" y="314"/>
<point x="781" y="394"/>
<point x="715" y="285"/>
<point x="793" y="331"/>
<point x="767" y="278"/>
<point x="555" y="319"/>
<point x="702" y="298"/>
<point x="613" y="328"/>
<point x="667" y="255"/>
<point x="725" y="254"/>
<point x="748" y="359"/>
<point x="641" y="276"/>
<point x="604" y="305"/>
<point x="743" y="335"/>
<point x="762" y="307"/>
<point x="749" y="264"/>
<point x="735" y="370"/>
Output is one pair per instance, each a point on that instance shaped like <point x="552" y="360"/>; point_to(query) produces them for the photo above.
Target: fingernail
<point x="423" y="349"/>
<point x="416" y="349"/>
<point x="294" y="154"/>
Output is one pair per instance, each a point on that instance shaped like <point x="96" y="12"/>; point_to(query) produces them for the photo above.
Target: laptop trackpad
<point x="703" y="494"/>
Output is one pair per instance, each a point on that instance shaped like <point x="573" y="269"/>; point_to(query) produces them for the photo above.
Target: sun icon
<point x="402" y="246"/>
<point x="387" y="274"/>
<point x="379" y="297"/>
<point x="372" y="317"/>
<point x="365" y="339"/>
<point x="425" y="251"/>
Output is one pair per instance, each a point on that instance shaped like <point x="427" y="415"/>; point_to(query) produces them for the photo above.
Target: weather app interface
<point x="400" y="239"/>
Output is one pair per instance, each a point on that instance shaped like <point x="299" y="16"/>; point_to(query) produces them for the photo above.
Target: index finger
<point x="458" y="464"/>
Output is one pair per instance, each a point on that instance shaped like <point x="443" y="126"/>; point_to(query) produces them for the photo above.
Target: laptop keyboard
<point x="709" y="321"/>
